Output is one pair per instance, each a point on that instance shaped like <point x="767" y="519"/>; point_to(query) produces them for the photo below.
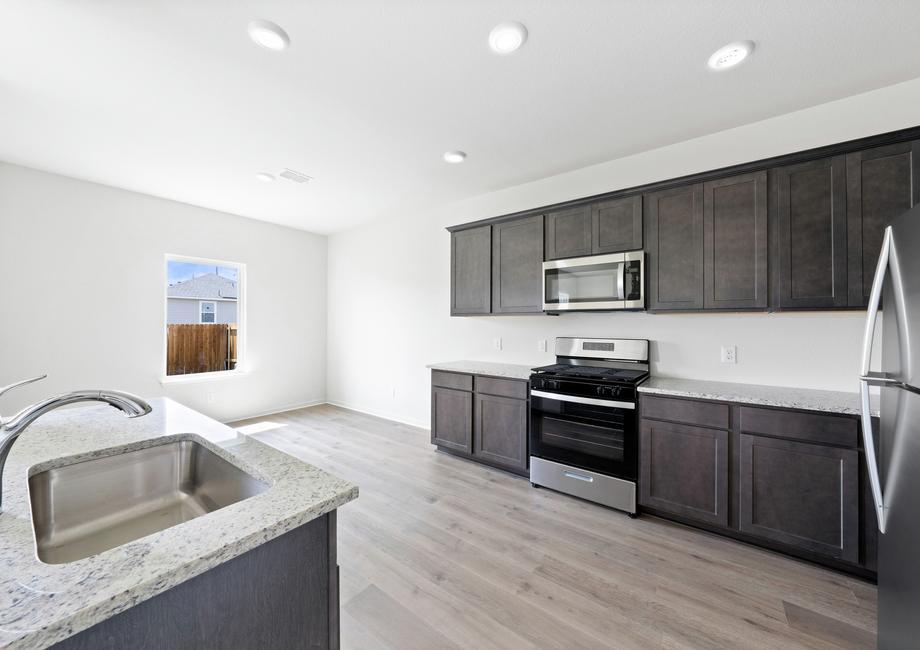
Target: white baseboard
<point x="283" y="409"/>
<point x="379" y="414"/>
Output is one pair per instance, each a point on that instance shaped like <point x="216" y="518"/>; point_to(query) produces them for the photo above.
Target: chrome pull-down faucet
<point x="11" y="428"/>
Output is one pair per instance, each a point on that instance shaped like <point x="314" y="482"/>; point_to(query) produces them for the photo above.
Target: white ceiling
<point x="171" y="98"/>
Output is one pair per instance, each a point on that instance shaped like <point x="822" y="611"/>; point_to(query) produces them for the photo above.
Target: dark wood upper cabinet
<point x="684" y="471"/>
<point x="568" y="233"/>
<point x="471" y="271"/>
<point x="811" y="230"/>
<point x="802" y="495"/>
<point x="517" y="266"/>
<point x="674" y="244"/>
<point x="735" y="246"/>
<point x="500" y="430"/>
<point x="616" y="225"/>
<point x="881" y="184"/>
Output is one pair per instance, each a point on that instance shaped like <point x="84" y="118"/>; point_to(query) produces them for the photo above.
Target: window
<point x="204" y="303"/>
<point x="207" y="312"/>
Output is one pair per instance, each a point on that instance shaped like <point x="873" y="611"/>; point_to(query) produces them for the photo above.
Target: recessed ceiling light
<point x="454" y="157"/>
<point x="730" y="55"/>
<point x="507" y="37"/>
<point x="268" y="35"/>
<point x="265" y="177"/>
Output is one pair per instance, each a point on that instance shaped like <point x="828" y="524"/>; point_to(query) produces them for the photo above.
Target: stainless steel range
<point x="584" y="423"/>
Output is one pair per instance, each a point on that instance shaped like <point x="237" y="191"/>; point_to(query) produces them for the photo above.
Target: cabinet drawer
<point x="808" y="427"/>
<point x="451" y="380"/>
<point x="501" y="387"/>
<point x="704" y="414"/>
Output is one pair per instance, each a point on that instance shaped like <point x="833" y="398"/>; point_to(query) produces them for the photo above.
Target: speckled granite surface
<point x="490" y="368"/>
<point x="828" y="401"/>
<point x="41" y="604"/>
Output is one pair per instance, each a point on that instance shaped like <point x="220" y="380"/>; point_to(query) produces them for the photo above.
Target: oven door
<point x="598" y="282"/>
<point x="593" y="434"/>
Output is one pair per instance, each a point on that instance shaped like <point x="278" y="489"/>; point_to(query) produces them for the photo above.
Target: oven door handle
<point x="575" y="399"/>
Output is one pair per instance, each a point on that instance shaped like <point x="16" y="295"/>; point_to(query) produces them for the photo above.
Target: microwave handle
<point x="621" y="281"/>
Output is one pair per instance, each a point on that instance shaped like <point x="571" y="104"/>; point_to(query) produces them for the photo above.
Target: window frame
<point x="201" y="304"/>
<point x="241" y="368"/>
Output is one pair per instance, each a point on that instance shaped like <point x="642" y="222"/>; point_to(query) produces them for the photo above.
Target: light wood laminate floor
<point x="438" y="552"/>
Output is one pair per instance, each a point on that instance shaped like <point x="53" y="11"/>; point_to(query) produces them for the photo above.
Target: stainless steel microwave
<point x="595" y="283"/>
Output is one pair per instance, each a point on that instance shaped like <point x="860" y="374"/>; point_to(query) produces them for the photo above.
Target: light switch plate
<point x="541" y="345"/>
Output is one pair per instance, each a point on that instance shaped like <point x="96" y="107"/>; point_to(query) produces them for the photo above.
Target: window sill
<point x="202" y="377"/>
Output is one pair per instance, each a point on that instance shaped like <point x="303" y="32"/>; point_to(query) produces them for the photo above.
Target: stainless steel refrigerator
<point x="894" y="470"/>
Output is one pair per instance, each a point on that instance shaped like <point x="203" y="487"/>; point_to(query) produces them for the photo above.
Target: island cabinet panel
<point x="517" y="266"/>
<point x="471" y="271"/>
<point x="811" y="214"/>
<point x="616" y="225"/>
<point x="481" y="418"/>
<point x="452" y="419"/>
<point x="568" y="233"/>
<point x="881" y="184"/>
<point x="283" y="594"/>
<point x="674" y="243"/>
<point x="684" y="471"/>
<point x="735" y="242"/>
<point x="802" y="495"/>
<point x="500" y="430"/>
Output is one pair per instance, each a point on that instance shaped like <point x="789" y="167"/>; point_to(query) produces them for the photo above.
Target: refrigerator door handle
<point x="875" y="298"/>
<point x="871" y="463"/>
<point x="865" y="377"/>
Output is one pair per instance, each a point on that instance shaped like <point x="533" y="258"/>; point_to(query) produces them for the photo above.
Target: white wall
<point x="82" y="282"/>
<point x="389" y="281"/>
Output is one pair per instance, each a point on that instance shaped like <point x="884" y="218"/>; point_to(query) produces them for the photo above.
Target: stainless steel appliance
<point x="583" y="420"/>
<point x="599" y="282"/>
<point x="894" y="464"/>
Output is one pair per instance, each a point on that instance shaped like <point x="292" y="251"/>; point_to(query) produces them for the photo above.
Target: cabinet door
<point x="471" y="271"/>
<point x="812" y="238"/>
<point x="616" y="225"/>
<point x="800" y="494"/>
<point x="500" y="431"/>
<point x="735" y="242"/>
<point x="684" y="471"/>
<point x="568" y="233"/>
<point x="881" y="184"/>
<point x="517" y="266"/>
<point x="452" y="419"/>
<point x="674" y="243"/>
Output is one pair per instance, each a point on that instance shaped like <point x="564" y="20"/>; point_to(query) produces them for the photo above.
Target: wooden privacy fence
<point x="200" y="348"/>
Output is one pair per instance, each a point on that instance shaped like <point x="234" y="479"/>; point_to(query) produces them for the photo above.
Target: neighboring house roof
<point x="205" y="287"/>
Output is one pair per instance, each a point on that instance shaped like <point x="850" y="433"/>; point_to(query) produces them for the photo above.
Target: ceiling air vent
<point x="297" y="177"/>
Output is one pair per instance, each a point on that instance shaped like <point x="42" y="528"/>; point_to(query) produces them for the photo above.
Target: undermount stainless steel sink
<point x="88" y="507"/>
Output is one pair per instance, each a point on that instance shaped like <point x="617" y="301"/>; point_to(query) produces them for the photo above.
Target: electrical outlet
<point x="497" y="343"/>
<point x="541" y="345"/>
<point x="729" y="354"/>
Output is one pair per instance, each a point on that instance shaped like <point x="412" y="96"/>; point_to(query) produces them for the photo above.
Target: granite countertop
<point x="41" y="604"/>
<point x="490" y="368"/>
<point x="828" y="401"/>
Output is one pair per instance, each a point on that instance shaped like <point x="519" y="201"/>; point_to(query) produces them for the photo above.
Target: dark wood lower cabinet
<point x="283" y="594"/>
<point x="481" y="418"/>
<point x="684" y="470"/>
<point x="800" y="494"/>
<point x="793" y="481"/>
<point x="500" y="431"/>
<point x="452" y="419"/>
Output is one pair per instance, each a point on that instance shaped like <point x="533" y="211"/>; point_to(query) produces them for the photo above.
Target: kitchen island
<point x="259" y="572"/>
